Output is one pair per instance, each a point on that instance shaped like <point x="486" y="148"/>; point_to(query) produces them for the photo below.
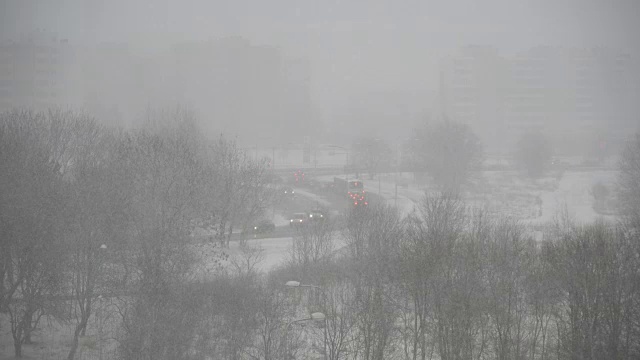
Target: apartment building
<point x="571" y="94"/>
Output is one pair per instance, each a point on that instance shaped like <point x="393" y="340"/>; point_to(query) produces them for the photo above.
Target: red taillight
<point x="355" y="203"/>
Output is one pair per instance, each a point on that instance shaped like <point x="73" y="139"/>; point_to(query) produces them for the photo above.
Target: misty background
<point x="280" y="179"/>
<point x="273" y="72"/>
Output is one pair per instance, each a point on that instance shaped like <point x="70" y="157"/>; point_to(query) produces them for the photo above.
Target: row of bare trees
<point x="87" y="211"/>
<point x="448" y="282"/>
<point x="451" y="282"/>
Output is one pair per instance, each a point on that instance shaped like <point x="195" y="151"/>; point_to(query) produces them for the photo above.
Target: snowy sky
<point x="354" y="45"/>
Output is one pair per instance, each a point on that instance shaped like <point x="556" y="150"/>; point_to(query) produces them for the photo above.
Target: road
<point x="308" y="197"/>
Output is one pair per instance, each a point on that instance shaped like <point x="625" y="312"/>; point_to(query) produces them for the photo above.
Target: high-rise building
<point x="472" y="83"/>
<point x="570" y="94"/>
<point x="242" y="89"/>
<point x="231" y="85"/>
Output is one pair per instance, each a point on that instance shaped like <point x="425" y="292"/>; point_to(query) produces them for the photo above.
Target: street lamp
<point x="318" y="316"/>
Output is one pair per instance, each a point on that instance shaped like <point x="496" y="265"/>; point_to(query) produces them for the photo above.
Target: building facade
<point x="572" y="95"/>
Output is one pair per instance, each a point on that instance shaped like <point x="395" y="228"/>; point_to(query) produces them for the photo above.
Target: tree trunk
<point x="17" y="348"/>
<point x="18" y="333"/>
<point x="74" y="344"/>
<point x="80" y="330"/>
<point x="28" y="320"/>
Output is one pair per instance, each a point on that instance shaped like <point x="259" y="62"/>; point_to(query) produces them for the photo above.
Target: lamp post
<point x="319" y="316"/>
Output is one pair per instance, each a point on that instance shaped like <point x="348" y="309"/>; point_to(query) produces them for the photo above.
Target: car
<point x="298" y="219"/>
<point x="317" y="215"/>
<point x="264" y="226"/>
<point x="298" y="177"/>
<point x="288" y="192"/>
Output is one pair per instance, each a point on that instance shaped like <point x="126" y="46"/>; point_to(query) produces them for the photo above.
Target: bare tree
<point x="372" y="236"/>
<point x="94" y="216"/>
<point x="246" y="262"/>
<point x="440" y="217"/>
<point x="543" y="300"/>
<point x="510" y="255"/>
<point x="32" y="193"/>
<point x="455" y="241"/>
<point x="449" y="152"/>
<point x="335" y="296"/>
<point x="370" y="154"/>
<point x="629" y="182"/>
<point x="162" y="174"/>
<point x="274" y="339"/>
<point x="596" y="269"/>
<point x="240" y="191"/>
<point x="340" y="314"/>
<point x="533" y="153"/>
<point x="311" y="244"/>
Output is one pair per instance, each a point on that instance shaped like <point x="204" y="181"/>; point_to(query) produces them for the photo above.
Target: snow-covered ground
<point x="538" y="201"/>
<point x="274" y="252"/>
<point x="319" y="199"/>
<point x="280" y="220"/>
<point x="507" y="193"/>
<point x="574" y="191"/>
<point x="501" y="192"/>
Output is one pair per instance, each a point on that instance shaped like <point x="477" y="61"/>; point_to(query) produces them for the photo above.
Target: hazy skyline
<point x="356" y="48"/>
<point x="440" y="24"/>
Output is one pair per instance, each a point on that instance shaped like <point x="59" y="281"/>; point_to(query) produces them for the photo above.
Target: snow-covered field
<point x="538" y="201"/>
<point x="273" y="252"/>
<point x="508" y="193"/>
<point x="501" y="192"/>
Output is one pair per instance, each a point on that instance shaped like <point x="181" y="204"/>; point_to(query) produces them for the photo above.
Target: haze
<point x="297" y="179"/>
<point x="370" y="67"/>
